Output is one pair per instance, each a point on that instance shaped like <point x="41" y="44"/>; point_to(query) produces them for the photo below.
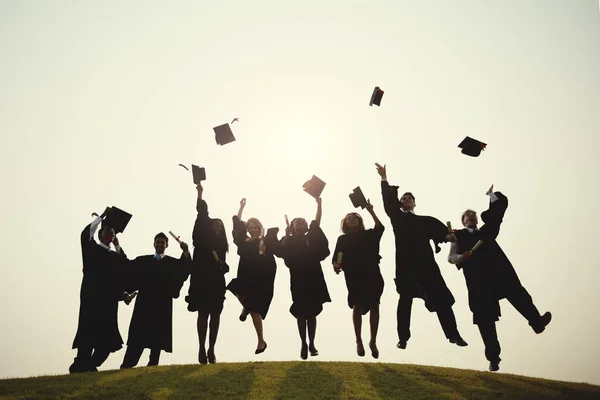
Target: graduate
<point x="206" y="293"/>
<point x="256" y="271"/>
<point x="417" y="273"/>
<point x="302" y="249"/>
<point x="158" y="279"/>
<point x="104" y="284"/>
<point x="357" y="255"/>
<point x="490" y="275"/>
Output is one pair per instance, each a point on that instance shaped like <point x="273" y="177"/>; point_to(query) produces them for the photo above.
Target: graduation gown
<point x="207" y="281"/>
<point x="360" y="262"/>
<point x="489" y="274"/>
<point x="417" y="273"/>
<point x="158" y="282"/>
<point x="102" y="287"/>
<point x="256" y="272"/>
<point x="303" y="256"/>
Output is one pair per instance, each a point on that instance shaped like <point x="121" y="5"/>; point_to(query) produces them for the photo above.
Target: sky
<point x="100" y="102"/>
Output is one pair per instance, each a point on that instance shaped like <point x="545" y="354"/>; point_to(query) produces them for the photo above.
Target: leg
<point x="523" y="303"/>
<point x="448" y="323"/>
<point x="132" y="356"/>
<point x="202" y="326"/>
<point x="100" y="355"/>
<point x="258" y="326"/>
<point x="403" y="318"/>
<point x="374" y="320"/>
<point x="302" y="331"/>
<point x="357" y="322"/>
<point x="311" y="324"/>
<point x="215" y="320"/>
<point x="492" y="345"/>
<point x="244" y="313"/>
<point x="82" y="362"/>
<point x="154" y="357"/>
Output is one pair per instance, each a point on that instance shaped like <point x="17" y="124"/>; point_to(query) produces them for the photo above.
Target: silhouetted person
<point x="490" y="276"/>
<point x="256" y="272"/>
<point x="360" y="263"/>
<point x="417" y="273"/>
<point x="206" y="294"/>
<point x="158" y="279"/>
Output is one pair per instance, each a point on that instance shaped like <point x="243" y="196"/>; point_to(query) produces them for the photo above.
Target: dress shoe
<point x="212" y="359"/>
<point x="374" y="350"/>
<point x="360" y="349"/>
<point x="494" y="365"/>
<point x="459" y="341"/>
<point x="202" y="357"/>
<point x="544" y="320"/>
<point x="401" y="344"/>
<point x="258" y="351"/>
<point x="304" y="352"/>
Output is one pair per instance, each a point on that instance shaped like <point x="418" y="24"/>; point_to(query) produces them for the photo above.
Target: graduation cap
<point x="314" y="186"/>
<point x="198" y="173"/>
<point x="116" y="219"/>
<point x="358" y="198"/>
<point x="376" y="96"/>
<point x="223" y="134"/>
<point x="471" y="147"/>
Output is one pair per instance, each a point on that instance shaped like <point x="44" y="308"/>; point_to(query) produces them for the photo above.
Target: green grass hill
<point x="293" y="380"/>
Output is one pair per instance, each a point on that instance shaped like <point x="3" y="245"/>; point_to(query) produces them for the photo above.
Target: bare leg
<point x="311" y="324"/>
<point x="258" y="326"/>
<point x="302" y="332"/>
<point x="357" y="321"/>
<point x="215" y="320"/>
<point x="374" y="320"/>
<point x="202" y="326"/>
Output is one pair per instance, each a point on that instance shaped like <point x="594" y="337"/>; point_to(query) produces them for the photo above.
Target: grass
<point x="293" y="380"/>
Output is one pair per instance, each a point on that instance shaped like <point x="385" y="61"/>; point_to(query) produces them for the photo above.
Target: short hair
<point x="102" y="230"/>
<point x="344" y="226"/>
<point x="297" y="219"/>
<point x="161" y="236"/>
<point x="462" y="217"/>
<point x="409" y="194"/>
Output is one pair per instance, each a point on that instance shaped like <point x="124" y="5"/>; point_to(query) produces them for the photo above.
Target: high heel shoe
<point x="258" y="351"/>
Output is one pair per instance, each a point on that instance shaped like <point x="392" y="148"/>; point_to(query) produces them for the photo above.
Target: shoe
<point x="360" y="349"/>
<point x="212" y="359"/>
<point x="313" y="350"/>
<point x="244" y="315"/>
<point x="202" y="357"/>
<point x="77" y="368"/>
<point x="542" y="323"/>
<point x="494" y="366"/>
<point x="304" y="352"/>
<point x="258" y="351"/>
<point x="401" y="344"/>
<point x="459" y="341"/>
<point x="374" y="350"/>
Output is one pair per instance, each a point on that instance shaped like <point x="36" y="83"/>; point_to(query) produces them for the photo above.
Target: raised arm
<point x="87" y="235"/>
<point x="202" y="226"/>
<point x="319" y="211"/>
<point x="391" y="203"/>
<point x="493" y="216"/>
<point x="241" y="210"/>
<point x="378" y="224"/>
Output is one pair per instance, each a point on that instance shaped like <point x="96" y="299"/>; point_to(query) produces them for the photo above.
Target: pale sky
<point x="99" y="102"/>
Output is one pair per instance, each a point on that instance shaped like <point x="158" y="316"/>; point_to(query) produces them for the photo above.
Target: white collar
<point x="411" y="211"/>
<point x="105" y="246"/>
<point x="161" y="255"/>
<point x="471" y="229"/>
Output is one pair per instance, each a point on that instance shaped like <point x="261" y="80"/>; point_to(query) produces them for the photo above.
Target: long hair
<point x="261" y="237"/>
<point x="297" y="219"/>
<point x="219" y="242"/>
<point x="344" y="226"/>
<point x="257" y="222"/>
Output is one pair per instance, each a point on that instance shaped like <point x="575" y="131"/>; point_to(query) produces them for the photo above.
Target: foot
<point x="77" y="368"/>
<point x="374" y="349"/>
<point x="313" y="350"/>
<point x="211" y="356"/>
<point x="459" y="341"/>
<point x="494" y="365"/>
<point x="304" y="351"/>
<point x="244" y="315"/>
<point x="360" y="349"/>
<point x="542" y="323"/>
<point x="202" y="357"/>
<point x="260" y="350"/>
<point x="401" y="344"/>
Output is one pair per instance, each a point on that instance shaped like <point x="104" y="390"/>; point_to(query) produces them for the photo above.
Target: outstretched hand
<point x="369" y="206"/>
<point x="184" y="247"/>
<point x="490" y="190"/>
<point x="381" y="170"/>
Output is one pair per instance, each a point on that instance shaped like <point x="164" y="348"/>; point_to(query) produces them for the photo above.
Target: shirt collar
<point x="105" y="246"/>
<point x="411" y="211"/>
<point x="161" y="255"/>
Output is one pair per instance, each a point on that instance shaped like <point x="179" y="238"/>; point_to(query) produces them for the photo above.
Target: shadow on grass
<point x="390" y="384"/>
<point x="309" y="381"/>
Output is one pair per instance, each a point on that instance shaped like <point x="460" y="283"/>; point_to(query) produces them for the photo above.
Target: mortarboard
<point x="314" y="186"/>
<point x="198" y="173"/>
<point x="358" y="198"/>
<point x="376" y="96"/>
<point x="116" y="219"/>
<point x="471" y="147"/>
<point x="223" y="134"/>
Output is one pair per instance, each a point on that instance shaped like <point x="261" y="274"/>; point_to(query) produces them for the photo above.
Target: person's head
<point x="217" y="227"/>
<point x="352" y="222"/>
<point x="407" y="201"/>
<point x="469" y="219"/>
<point x="255" y="228"/>
<point x="106" y="235"/>
<point x="161" y="242"/>
<point x="219" y="239"/>
<point x="299" y="226"/>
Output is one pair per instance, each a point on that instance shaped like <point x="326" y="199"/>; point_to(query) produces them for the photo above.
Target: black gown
<point x="104" y="281"/>
<point x="158" y="282"/>
<point x="256" y="272"/>
<point x="360" y="262"/>
<point x="303" y="256"/>
<point x="207" y="282"/>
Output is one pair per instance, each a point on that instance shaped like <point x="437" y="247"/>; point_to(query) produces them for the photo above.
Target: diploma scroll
<point x="175" y="237"/>
<point x="339" y="258"/>
<point x="477" y="245"/>
<point x="449" y="225"/>
<point x="215" y="256"/>
<point x="287" y="222"/>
